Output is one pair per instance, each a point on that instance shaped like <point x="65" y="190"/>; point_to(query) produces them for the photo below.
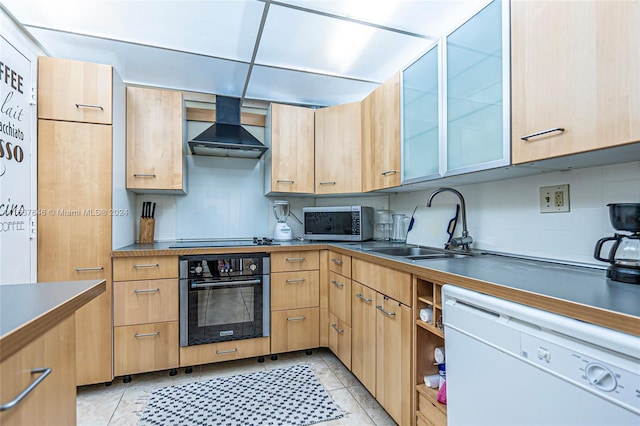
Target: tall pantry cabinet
<point x="74" y="197"/>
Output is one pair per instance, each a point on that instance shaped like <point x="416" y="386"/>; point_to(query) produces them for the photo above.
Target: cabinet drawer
<point x="290" y="290"/>
<point x="395" y="284"/>
<point x="340" y="263"/>
<point x="340" y="340"/>
<point x="432" y="414"/>
<point x="295" y="329"/>
<point x="340" y="297"/>
<point x="146" y="347"/>
<point x="224" y="351"/>
<point x="295" y="261"/>
<point x="142" y="302"/>
<point x="74" y="91"/>
<point x="145" y="268"/>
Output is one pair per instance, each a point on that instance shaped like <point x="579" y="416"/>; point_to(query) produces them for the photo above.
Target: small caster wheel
<point x="173" y="372"/>
<point x="126" y="379"/>
<point x="308" y="352"/>
<point x="188" y="370"/>
<point x="107" y="384"/>
<point x="260" y="359"/>
<point x="274" y="357"/>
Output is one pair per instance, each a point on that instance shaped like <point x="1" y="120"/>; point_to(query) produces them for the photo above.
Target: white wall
<point x="505" y="216"/>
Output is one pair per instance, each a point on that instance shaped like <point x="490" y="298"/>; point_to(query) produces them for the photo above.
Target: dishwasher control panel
<point x="614" y="382"/>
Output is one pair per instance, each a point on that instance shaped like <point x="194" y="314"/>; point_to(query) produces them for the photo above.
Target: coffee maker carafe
<point x="624" y="254"/>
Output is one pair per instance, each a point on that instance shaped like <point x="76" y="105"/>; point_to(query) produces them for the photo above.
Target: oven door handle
<point x="203" y="284"/>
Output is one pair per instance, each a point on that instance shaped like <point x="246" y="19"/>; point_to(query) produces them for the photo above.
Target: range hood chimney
<point x="227" y="138"/>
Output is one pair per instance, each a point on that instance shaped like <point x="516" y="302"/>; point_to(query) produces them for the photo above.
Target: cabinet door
<point x="142" y="302"/>
<point x="291" y="138"/>
<point x="295" y="329"/>
<point x="393" y="358"/>
<point x="155" y="139"/>
<point x="381" y="136"/>
<point x="290" y="290"/>
<point x="340" y="297"/>
<point x="74" y="91"/>
<point x="575" y="66"/>
<point x="363" y="336"/>
<point x="145" y="347"/>
<point x="338" y="144"/>
<point x="340" y="340"/>
<point x="74" y="236"/>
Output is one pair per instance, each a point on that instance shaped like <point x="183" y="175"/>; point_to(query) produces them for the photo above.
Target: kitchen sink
<point x="419" y="253"/>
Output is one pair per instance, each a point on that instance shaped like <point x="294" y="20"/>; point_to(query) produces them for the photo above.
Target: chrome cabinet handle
<point x="227" y="352"/>
<point x="297" y="280"/>
<point x="295" y="259"/>
<point x="146" y="265"/>
<point x="296" y="318"/>
<point x="364" y="299"/>
<point x="207" y="284"/>
<point x="544" y="132"/>
<point x="284" y="181"/>
<point x="144" y="175"/>
<point x="157" y="333"/>
<point x="15" y="401"/>
<point x="337" y="284"/>
<point x="151" y="290"/>
<point x="328" y="183"/>
<point x="390" y="314"/>
<point x="89" y="106"/>
<point x="337" y="261"/>
<point x="335" y="327"/>
<point x="97" y="268"/>
<point x="389" y="172"/>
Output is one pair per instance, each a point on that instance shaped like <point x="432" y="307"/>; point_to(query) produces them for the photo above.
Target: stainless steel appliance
<point x="340" y="223"/>
<point x="224" y="297"/>
<point x="624" y="253"/>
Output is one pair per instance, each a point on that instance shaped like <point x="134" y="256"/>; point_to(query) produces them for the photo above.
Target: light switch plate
<point x="554" y="199"/>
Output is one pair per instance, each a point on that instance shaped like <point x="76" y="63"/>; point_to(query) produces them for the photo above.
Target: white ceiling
<point x="307" y="52"/>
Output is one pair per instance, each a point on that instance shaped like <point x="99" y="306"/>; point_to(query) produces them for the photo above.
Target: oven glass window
<point x="225" y="306"/>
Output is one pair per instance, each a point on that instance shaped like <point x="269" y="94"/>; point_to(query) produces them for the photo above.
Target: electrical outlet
<point x="554" y="199"/>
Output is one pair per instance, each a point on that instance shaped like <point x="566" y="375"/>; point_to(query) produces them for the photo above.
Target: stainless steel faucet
<point x="466" y="239"/>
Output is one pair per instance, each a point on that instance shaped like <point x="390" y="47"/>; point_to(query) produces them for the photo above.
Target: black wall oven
<point x="224" y="297"/>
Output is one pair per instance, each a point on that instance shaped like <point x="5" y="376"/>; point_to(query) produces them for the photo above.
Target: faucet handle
<point x="461" y="241"/>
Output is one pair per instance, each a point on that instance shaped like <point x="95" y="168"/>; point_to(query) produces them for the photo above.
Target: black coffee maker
<point x="624" y="254"/>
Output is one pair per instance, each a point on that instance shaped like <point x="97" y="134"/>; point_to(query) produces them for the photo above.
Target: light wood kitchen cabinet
<point x="340" y="306"/>
<point x="289" y="163"/>
<point x="340" y="297"/>
<point x="338" y="145"/>
<point x="53" y="401"/>
<point x="74" y="234"/>
<point x="363" y="335"/>
<point x="74" y="91"/>
<point x="340" y="263"/>
<point x="156" y="130"/>
<point x="575" y="67"/>
<point x="340" y="340"/>
<point x="290" y="290"/>
<point x="145" y="347"/>
<point x="381" y="143"/>
<point x="295" y="329"/>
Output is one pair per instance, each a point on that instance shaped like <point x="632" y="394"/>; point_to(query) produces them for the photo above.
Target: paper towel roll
<point x="438" y="355"/>
<point x="432" y="381"/>
<point x="426" y="315"/>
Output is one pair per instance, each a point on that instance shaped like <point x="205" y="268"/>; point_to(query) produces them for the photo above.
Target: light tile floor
<point x="123" y="403"/>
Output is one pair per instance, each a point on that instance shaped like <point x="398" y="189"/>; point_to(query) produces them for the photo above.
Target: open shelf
<point x="431" y="328"/>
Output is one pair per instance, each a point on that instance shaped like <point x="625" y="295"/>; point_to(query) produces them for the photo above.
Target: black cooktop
<point x="223" y="243"/>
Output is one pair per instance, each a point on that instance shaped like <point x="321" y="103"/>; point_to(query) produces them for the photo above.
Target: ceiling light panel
<point x="137" y="64"/>
<point x="217" y="28"/>
<point x="311" y="42"/>
<point x="280" y="85"/>
<point x="429" y="18"/>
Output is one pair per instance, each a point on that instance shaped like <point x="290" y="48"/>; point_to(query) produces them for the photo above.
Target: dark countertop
<point x="29" y="310"/>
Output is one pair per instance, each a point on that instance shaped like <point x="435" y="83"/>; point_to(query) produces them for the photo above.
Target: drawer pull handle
<point x="335" y="327"/>
<point x="328" y="183"/>
<point x="544" y="132"/>
<point x="150" y="290"/>
<point x="146" y="265"/>
<point x="389" y="172"/>
<point x="144" y="175"/>
<point x="296" y="319"/>
<point x="97" y="268"/>
<point x="387" y="313"/>
<point x="15" y="401"/>
<point x="364" y="299"/>
<point x="337" y="284"/>
<point x="227" y="352"/>
<point x="89" y="106"/>
<point x="298" y="280"/>
<point x="157" y="333"/>
<point x="284" y="181"/>
<point x="295" y="259"/>
<point x="337" y="261"/>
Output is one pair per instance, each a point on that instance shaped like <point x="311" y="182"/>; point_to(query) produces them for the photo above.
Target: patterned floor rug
<point x="285" y="396"/>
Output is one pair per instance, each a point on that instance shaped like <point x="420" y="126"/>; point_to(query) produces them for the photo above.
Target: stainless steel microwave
<point x="340" y="223"/>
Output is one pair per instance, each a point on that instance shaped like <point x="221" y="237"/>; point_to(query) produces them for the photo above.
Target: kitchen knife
<point x="153" y="210"/>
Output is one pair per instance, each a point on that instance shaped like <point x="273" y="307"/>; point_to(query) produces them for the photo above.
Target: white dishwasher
<point x="510" y="364"/>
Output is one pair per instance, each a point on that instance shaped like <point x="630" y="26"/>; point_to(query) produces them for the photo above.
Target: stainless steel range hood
<point x="227" y="138"/>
